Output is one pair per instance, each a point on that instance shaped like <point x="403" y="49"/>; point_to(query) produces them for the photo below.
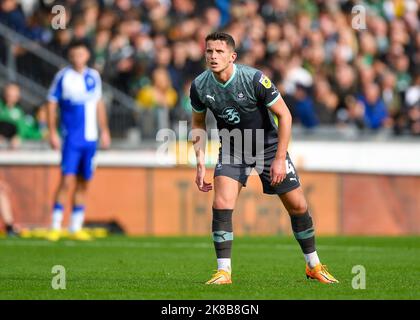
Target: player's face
<point x="219" y="55"/>
<point x="79" y="57"/>
<point x="11" y="94"/>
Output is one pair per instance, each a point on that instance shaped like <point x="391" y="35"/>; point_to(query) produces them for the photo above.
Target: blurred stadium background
<point x="354" y="95"/>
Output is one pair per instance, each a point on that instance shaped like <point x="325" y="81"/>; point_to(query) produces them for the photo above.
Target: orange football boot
<point x="220" y="277"/>
<point x="320" y="273"/>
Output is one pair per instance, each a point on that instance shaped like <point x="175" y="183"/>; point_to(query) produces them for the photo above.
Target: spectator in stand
<point x="179" y="67"/>
<point x="91" y="12"/>
<point x="409" y="121"/>
<point x="412" y="97"/>
<point x="100" y="49"/>
<point x="157" y="100"/>
<point x="375" y="112"/>
<point x="120" y="62"/>
<point x="390" y="94"/>
<point x="326" y="102"/>
<point x="60" y="41"/>
<point x="305" y="107"/>
<point x="15" y="125"/>
<point x="294" y="40"/>
<point x="402" y="74"/>
<point x="354" y="114"/>
<point x="414" y="119"/>
<point x="11" y="15"/>
<point x="344" y="83"/>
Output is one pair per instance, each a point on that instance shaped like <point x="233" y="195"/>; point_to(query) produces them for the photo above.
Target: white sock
<point x="57" y="217"/>
<point x="77" y="218"/>
<point x="311" y="259"/>
<point x="224" y="264"/>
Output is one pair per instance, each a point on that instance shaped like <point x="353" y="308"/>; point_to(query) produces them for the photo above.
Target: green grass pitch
<point x="120" y="267"/>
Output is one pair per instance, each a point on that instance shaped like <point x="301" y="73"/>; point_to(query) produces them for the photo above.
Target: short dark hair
<point x="77" y="43"/>
<point x="222" y="36"/>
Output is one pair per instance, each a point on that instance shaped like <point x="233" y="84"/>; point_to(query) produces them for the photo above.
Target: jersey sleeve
<point x="196" y="104"/>
<point x="265" y="90"/>
<point x="56" y="88"/>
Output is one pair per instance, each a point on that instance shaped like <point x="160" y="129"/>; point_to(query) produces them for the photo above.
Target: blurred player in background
<point x="6" y="213"/>
<point x="77" y="92"/>
<point x="243" y="98"/>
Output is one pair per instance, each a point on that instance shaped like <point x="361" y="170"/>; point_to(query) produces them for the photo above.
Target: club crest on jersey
<point x="265" y="81"/>
<point x="90" y="83"/>
<point x="241" y="96"/>
<point x="231" y="115"/>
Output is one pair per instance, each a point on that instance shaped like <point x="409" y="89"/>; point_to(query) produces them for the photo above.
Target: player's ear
<point x="234" y="56"/>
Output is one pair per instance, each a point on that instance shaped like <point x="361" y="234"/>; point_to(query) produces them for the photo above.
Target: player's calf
<point x="222" y="238"/>
<point x="304" y="233"/>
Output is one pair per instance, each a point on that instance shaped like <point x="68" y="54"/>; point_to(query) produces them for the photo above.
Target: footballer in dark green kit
<point x="254" y="126"/>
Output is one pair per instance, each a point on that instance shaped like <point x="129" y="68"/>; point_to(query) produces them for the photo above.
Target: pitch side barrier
<point x="390" y="158"/>
<point x="353" y="188"/>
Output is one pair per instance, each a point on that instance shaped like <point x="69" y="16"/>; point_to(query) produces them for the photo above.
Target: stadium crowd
<point x="329" y="69"/>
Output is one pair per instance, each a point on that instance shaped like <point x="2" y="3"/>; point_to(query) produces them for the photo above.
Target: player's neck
<point x="224" y="75"/>
<point x="80" y="69"/>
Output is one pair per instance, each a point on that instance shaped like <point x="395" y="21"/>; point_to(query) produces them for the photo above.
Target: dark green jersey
<point x="241" y="103"/>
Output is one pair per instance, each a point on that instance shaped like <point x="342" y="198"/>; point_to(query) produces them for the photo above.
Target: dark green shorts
<point x="241" y="170"/>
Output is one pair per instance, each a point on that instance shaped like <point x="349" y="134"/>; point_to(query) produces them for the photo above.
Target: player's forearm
<point x="199" y="143"/>
<point x="284" y="132"/>
<point x="200" y="156"/>
<point x="52" y="116"/>
<point x="102" y="117"/>
<point x="199" y="138"/>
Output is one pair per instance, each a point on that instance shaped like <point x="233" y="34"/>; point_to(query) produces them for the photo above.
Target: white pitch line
<point x="196" y="245"/>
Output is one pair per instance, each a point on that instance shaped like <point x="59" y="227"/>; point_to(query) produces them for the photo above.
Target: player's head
<point x="220" y="51"/>
<point x="78" y="53"/>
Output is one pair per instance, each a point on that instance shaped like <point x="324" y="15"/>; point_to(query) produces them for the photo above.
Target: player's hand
<point x="277" y="171"/>
<point x="54" y="140"/>
<point x="105" y="139"/>
<point x="199" y="179"/>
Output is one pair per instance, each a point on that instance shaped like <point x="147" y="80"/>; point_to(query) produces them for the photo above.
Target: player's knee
<point x="299" y="207"/>
<point x="223" y="203"/>
<point x="81" y="186"/>
<point x="66" y="184"/>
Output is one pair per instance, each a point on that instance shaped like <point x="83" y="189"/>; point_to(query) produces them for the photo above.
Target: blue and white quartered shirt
<point x="77" y="95"/>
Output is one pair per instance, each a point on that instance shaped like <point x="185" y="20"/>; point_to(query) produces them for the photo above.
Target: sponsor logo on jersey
<point x="265" y="81"/>
<point x="231" y="115"/>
